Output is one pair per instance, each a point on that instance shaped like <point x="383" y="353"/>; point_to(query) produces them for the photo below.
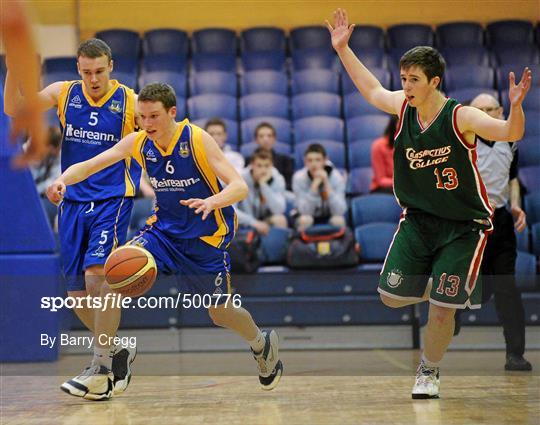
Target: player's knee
<point x="95" y="281"/>
<point x="390" y="302"/>
<point x="441" y="315"/>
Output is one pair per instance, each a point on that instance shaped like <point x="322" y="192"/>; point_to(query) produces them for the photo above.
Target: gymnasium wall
<point x="94" y="15"/>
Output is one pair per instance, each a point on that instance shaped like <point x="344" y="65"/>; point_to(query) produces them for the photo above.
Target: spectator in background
<point x="265" y="205"/>
<point x="497" y="163"/>
<point x="319" y="190"/>
<point x="382" y="159"/>
<point x="218" y="130"/>
<point x="265" y="137"/>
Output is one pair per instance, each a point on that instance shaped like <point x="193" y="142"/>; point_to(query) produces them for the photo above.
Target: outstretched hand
<point x="204" y="206"/>
<point x="341" y="32"/>
<point x="517" y="92"/>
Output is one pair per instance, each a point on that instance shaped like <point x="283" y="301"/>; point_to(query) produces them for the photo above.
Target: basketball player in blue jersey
<point x="446" y="217"/>
<point x="194" y="220"/>
<point x="93" y="218"/>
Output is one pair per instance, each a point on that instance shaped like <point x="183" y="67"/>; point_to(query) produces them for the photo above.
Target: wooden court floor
<point x="318" y="387"/>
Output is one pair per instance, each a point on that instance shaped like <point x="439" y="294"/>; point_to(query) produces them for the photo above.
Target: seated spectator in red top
<point x="382" y="161"/>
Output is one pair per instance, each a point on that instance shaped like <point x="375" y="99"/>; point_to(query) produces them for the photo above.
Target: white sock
<point x="257" y="344"/>
<point x="102" y="357"/>
<point x="429" y="363"/>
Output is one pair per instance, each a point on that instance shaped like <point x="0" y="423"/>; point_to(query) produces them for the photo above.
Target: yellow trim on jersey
<point x="174" y="141"/>
<point x="63" y="97"/>
<point x="136" y="152"/>
<point x="199" y="156"/>
<point x="129" y="111"/>
<point x="104" y="99"/>
<point x="128" y="181"/>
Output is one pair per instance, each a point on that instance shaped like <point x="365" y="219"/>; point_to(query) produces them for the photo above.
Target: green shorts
<point x="427" y="246"/>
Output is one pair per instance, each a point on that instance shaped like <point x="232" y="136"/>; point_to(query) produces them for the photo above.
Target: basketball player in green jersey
<point x="446" y="217"/>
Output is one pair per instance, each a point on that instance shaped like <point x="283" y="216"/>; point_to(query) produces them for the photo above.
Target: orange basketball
<point x="130" y="271"/>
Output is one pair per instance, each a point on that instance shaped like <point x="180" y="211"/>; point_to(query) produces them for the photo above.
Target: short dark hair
<point x="262" y="153"/>
<point x="264" y="125"/>
<point x="428" y="59"/>
<point x="158" y="92"/>
<point x="315" y="148"/>
<point x="215" y="121"/>
<point x="94" y="48"/>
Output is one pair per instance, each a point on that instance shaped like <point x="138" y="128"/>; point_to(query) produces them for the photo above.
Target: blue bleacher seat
<point x="214" y="40"/>
<point x="532" y="124"/>
<point x="367" y="37"/>
<point x="470" y="55"/>
<point x="264" y="82"/>
<point x="165" y="41"/>
<point x="537" y="36"/>
<point x="213" y="82"/>
<point x="468" y="94"/>
<point x="181" y="110"/>
<point x="466" y="76"/>
<point x="282" y="126"/>
<point x="530" y="177"/>
<point x="233" y="136"/>
<point x="59" y="76"/>
<point x="314" y="59"/>
<point x="374" y="240"/>
<point x="212" y="105"/>
<point x="257" y="61"/>
<point x="529" y="151"/>
<point x="371" y="58"/>
<point x="410" y="35"/>
<point x="259" y="39"/>
<point x="359" y="153"/>
<point x="383" y="75"/>
<point x="359" y="180"/>
<point x="127" y="78"/>
<point x="527" y="54"/>
<point x="375" y="207"/>
<point x="366" y="127"/>
<point x="247" y="149"/>
<point x="318" y="128"/>
<point x="309" y="37"/>
<point x="523" y="239"/>
<point x="164" y="62"/>
<point x="535" y="230"/>
<point x="459" y="34"/>
<point x="214" y="62"/>
<point x="125" y="64"/>
<point x="525" y="271"/>
<point x="509" y="32"/>
<point x="315" y="80"/>
<point x="335" y="152"/>
<point x="175" y="79"/>
<point x="60" y="64"/>
<point x="504" y="70"/>
<point x="531" y="205"/>
<point x="264" y="105"/>
<point x="394" y="56"/>
<point x="531" y="103"/>
<point x="316" y="103"/>
<point x="354" y="105"/>
<point x="122" y="42"/>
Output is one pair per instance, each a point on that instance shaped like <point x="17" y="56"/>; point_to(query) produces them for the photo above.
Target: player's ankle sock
<point x="257" y="344"/>
<point x="102" y="357"/>
<point x="428" y="363"/>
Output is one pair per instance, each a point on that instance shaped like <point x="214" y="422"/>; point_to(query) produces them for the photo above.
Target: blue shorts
<point x="202" y="268"/>
<point x="88" y="232"/>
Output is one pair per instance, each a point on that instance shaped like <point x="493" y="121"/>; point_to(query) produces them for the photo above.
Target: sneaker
<point x="270" y="366"/>
<point x="94" y="383"/>
<point x="121" y="368"/>
<point x="427" y="382"/>
<point x="517" y="362"/>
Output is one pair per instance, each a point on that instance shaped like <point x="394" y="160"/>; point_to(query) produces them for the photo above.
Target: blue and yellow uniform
<point x="94" y="216"/>
<point x="180" y="241"/>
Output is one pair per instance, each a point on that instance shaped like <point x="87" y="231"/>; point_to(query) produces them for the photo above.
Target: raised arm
<point x="365" y="81"/>
<point x="510" y="130"/>
<point x="236" y="188"/>
<point x="82" y="170"/>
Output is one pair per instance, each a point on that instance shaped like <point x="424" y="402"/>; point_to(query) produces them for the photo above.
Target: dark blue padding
<point x="213" y="82"/>
<point x="359" y="153"/>
<point x="366" y="37"/>
<point x="382" y="74"/>
<point x="321" y="58"/>
<point x="410" y="35"/>
<point x="359" y="180"/>
<point x="60" y="64"/>
<point x="25" y="227"/>
<point x="366" y="127"/>
<point x="318" y="128"/>
<point x="467" y="55"/>
<point x="212" y="105"/>
<point x="258" y="61"/>
<point x="225" y="62"/>
<point x="526" y="277"/>
<point x="122" y="42"/>
<point x="465" y="76"/>
<point x="374" y="240"/>
<point x="164" y="62"/>
<point x="260" y="39"/>
<point x="165" y="41"/>
<point x="214" y="40"/>
<point x="176" y="80"/>
<point x="531" y="204"/>
<point x="457" y="34"/>
<point x="513" y="32"/>
<point x="24" y="280"/>
<point x="315" y="104"/>
<point x="375" y="207"/>
<point x="264" y="82"/>
<point x="315" y="80"/>
<point x="310" y="37"/>
<point x="264" y="105"/>
<point x="354" y="104"/>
